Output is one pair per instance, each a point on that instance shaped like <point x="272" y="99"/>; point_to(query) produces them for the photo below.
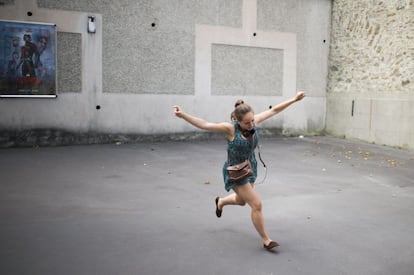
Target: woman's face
<point x="247" y="122"/>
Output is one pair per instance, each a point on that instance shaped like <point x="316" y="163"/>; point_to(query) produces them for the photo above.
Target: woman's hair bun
<point x="238" y="102"/>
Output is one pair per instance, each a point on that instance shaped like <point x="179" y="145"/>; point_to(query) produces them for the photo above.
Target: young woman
<point x="240" y="134"/>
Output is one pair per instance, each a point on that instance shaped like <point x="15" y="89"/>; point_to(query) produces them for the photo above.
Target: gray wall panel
<point x="69" y="55"/>
<point x="246" y="71"/>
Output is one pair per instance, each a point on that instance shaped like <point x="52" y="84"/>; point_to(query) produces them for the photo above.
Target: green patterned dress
<point x="238" y="150"/>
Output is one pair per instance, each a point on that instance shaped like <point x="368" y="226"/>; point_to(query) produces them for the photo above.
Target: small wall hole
<point x="153" y="25"/>
<point x="324" y="41"/>
<point x="270" y="107"/>
<point x="254" y="34"/>
<point x="98" y="107"/>
<point x="29" y="13"/>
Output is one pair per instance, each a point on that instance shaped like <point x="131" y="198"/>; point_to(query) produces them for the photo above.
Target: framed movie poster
<point x="27" y="59"/>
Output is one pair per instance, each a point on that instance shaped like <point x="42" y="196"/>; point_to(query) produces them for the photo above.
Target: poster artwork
<point x="27" y="59"/>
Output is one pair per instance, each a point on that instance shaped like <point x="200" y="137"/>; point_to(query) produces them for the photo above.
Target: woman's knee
<point x="240" y="201"/>
<point x="256" y="205"/>
<point x="245" y="194"/>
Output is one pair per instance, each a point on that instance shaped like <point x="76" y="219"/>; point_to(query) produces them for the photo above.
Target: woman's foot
<point x="271" y="245"/>
<point x="218" y="210"/>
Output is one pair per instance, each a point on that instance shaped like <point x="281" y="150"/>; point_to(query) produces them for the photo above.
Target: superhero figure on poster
<point x="28" y="52"/>
<point x="42" y="44"/>
<point x="12" y="71"/>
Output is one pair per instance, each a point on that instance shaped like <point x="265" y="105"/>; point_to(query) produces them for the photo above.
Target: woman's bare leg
<point x="247" y="194"/>
<point x="232" y="199"/>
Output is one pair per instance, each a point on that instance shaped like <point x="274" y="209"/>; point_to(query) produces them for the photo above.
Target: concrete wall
<point x="203" y="55"/>
<point x="371" y="72"/>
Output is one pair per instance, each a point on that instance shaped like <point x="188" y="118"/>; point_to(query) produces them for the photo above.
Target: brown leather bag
<point x="240" y="171"/>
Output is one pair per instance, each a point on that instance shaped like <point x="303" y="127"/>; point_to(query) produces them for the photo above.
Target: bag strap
<point x="260" y="156"/>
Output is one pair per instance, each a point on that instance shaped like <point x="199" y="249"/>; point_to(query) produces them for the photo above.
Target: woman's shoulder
<point x="233" y="131"/>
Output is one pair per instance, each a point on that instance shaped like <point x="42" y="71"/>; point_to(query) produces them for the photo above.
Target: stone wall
<point x="371" y="67"/>
<point x="372" y="46"/>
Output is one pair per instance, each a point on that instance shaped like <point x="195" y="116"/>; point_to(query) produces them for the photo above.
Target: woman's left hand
<point x="177" y="111"/>
<point x="299" y="96"/>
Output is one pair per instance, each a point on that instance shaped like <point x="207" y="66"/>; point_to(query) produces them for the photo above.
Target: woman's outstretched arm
<point x="223" y="127"/>
<point x="278" y="108"/>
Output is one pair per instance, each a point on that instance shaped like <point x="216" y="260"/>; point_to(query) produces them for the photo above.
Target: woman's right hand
<point x="177" y="111"/>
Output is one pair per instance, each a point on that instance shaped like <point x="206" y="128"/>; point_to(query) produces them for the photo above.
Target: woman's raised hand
<point x="177" y="111"/>
<point x="299" y="96"/>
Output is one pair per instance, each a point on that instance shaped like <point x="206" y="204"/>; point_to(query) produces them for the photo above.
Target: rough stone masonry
<point x="372" y="47"/>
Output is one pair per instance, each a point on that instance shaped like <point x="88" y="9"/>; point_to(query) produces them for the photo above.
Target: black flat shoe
<point x="218" y="211"/>
<point x="271" y="245"/>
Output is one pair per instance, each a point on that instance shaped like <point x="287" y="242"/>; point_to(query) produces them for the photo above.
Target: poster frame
<point x="34" y="74"/>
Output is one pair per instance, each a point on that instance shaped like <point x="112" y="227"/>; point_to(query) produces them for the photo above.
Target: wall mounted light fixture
<point x="91" y="24"/>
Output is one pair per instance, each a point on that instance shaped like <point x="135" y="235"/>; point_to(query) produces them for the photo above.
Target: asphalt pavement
<point x="335" y="206"/>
